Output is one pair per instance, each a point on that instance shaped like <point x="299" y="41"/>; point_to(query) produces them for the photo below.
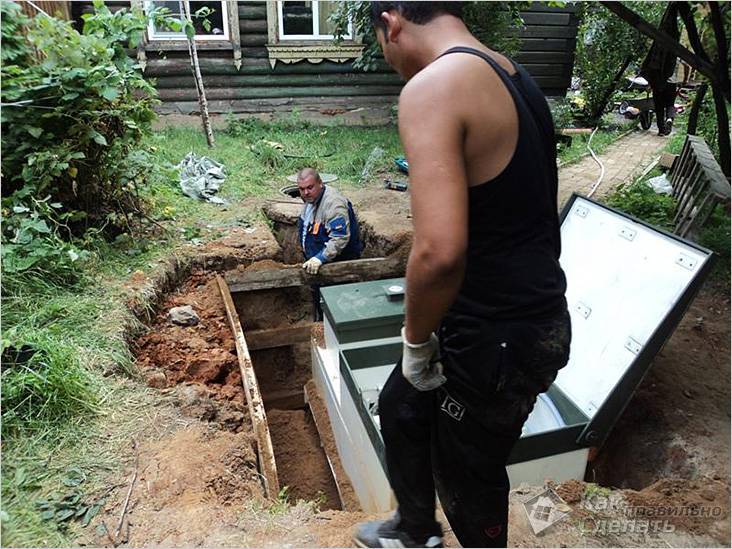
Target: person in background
<point x="327" y="228"/>
<point x="659" y="68"/>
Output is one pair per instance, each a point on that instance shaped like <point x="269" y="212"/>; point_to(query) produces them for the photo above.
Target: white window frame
<point x="156" y="36"/>
<point x="315" y="6"/>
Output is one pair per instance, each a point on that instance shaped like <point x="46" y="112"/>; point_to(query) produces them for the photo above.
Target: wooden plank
<point x="331" y="273"/>
<point x="536" y="18"/>
<point x="548" y="31"/>
<point x="278" y="337"/>
<point x="166" y="94"/>
<point x="253" y="12"/>
<point x="552" y="82"/>
<point x="254" y="397"/>
<point x="253" y="40"/>
<point x="547" y="44"/>
<point x="270" y="81"/>
<point x="268" y="106"/>
<point x="253" y="26"/>
<point x="558" y="57"/>
<point x="542" y="69"/>
<point x="258" y="52"/>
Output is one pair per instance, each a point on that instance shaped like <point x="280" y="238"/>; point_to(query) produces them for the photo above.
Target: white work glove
<point x="420" y="366"/>
<point x="312" y="265"/>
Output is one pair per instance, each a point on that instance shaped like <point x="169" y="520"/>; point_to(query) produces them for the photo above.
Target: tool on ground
<point x="395" y="185"/>
<point x="402" y="164"/>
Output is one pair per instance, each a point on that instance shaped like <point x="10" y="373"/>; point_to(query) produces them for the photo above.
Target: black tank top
<point x="512" y="261"/>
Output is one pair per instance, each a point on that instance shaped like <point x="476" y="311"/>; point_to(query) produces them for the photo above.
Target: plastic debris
<point x="660" y="184"/>
<point x="201" y="178"/>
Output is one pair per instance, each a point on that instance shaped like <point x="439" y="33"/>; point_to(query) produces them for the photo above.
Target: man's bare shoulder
<point x="448" y="82"/>
<point x="430" y="84"/>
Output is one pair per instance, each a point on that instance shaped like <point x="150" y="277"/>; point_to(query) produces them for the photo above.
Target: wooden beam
<point x="167" y="94"/>
<point x="331" y="273"/>
<point x="278" y="337"/>
<point x="254" y="397"/>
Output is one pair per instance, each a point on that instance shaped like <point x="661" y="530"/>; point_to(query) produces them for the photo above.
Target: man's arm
<point x="432" y="133"/>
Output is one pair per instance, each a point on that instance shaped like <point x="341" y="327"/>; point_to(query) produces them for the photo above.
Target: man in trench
<point x="486" y="323"/>
<point x="327" y="229"/>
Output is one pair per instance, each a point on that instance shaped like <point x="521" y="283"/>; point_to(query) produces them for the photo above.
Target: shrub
<point x="640" y="201"/>
<point x="717" y="237"/>
<point x="75" y="110"/>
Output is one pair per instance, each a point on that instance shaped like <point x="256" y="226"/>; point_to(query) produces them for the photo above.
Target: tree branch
<point x="644" y="27"/>
<point x="692" y="31"/>
<point x="722" y="61"/>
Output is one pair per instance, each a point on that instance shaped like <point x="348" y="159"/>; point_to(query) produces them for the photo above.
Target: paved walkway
<point x="624" y="160"/>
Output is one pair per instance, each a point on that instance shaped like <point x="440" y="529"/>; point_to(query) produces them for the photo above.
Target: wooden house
<point x="270" y="57"/>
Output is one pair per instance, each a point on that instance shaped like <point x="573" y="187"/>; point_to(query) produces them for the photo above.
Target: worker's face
<point x="310" y="188"/>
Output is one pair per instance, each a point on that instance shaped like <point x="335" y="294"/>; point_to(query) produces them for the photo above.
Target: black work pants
<point x="664" y="95"/>
<point x="457" y="438"/>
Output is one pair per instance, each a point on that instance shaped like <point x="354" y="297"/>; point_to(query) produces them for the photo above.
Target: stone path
<point x="624" y="160"/>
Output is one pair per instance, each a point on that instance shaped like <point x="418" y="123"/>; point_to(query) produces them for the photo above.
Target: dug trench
<point x="201" y="360"/>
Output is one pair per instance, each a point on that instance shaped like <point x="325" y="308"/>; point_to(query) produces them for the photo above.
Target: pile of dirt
<point x="189" y="490"/>
<point x="247" y="244"/>
<point x="699" y="507"/>
<point x="301" y="462"/>
<point x="169" y="354"/>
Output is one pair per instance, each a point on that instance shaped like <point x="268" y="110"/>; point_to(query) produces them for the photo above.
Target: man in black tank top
<point x="486" y="326"/>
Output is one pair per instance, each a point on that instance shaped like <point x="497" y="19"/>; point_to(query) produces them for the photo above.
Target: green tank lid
<point x="365" y="310"/>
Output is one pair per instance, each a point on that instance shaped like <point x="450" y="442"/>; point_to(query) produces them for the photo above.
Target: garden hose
<point x="596" y="159"/>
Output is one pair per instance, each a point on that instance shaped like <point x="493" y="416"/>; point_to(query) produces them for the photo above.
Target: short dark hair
<point x="416" y="12"/>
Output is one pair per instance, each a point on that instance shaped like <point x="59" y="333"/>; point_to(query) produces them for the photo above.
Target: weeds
<point x="640" y="201"/>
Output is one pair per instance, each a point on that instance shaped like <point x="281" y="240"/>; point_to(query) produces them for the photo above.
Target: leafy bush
<point x="641" y="201"/>
<point x="562" y="113"/>
<point x="75" y="110"/>
<point x="717" y="237"/>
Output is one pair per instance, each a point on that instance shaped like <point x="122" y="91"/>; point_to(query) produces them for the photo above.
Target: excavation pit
<point x="200" y="365"/>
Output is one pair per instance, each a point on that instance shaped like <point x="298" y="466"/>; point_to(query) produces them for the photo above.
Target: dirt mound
<point x="699" y="507"/>
<point x="190" y="488"/>
<point x="301" y="462"/>
<point x="248" y="244"/>
<point x="205" y="353"/>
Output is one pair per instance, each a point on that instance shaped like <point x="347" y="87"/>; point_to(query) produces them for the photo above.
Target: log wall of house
<point x="547" y="52"/>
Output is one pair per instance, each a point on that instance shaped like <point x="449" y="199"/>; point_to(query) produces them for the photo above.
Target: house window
<point x="306" y="20"/>
<point x="301" y="31"/>
<point x="215" y="27"/>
